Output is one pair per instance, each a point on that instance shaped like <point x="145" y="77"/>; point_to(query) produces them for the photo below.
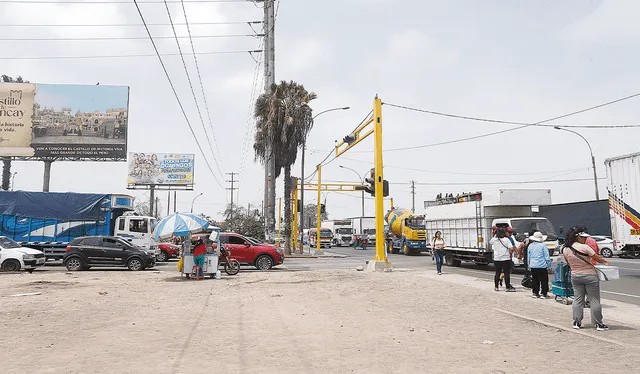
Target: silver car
<point x="607" y="246"/>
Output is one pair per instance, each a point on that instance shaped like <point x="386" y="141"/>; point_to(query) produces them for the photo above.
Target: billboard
<point x="64" y="121"/>
<point x="160" y="169"/>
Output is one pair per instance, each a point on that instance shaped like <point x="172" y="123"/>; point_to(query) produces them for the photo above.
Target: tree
<point x="311" y="215"/>
<point x="283" y="116"/>
<point x="142" y="208"/>
<point x="248" y="223"/>
<point x="6" y="161"/>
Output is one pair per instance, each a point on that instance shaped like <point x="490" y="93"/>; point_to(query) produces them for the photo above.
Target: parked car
<point x="14" y="257"/>
<point x="167" y="251"/>
<point x="85" y="252"/>
<point x="607" y="246"/>
<point x="251" y="252"/>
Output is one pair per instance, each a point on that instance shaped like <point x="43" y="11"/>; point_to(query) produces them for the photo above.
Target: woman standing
<point x="502" y="252"/>
<point x="540" y="263"/>
<point x="584" y="278"/>
<point x="438" y="251"/>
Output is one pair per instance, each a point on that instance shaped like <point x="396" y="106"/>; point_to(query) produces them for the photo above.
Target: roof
<point x="606" y="161"/>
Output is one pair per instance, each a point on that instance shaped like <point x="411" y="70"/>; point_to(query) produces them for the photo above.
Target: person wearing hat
<point x="584" y="278"/>
<point x="539" y="263"/>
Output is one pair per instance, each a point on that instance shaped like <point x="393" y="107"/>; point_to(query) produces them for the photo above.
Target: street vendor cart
<point x="210" y="267"/>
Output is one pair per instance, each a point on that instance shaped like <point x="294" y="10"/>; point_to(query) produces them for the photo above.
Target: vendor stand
<point x="210" y="267"/>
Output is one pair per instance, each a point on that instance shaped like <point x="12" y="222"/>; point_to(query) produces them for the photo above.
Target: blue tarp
<point x="65" y="206"/>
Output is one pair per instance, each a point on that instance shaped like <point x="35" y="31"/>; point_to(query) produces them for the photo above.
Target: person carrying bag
<point x="584" y="277"/>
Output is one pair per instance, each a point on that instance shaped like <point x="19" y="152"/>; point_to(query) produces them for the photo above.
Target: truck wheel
<point x="11" y="265"/>
<point x="457" y="263"/>
<point x="406" y="250"/>
<point x="448" y="259"/>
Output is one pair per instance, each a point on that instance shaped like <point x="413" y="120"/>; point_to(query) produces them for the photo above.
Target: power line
<point x="119" y="1"/>
<point x="124" y="56"/>
<point x="469" y="173"/>
<point x="175" y="93"/>
<point x="102" y="38"/>
<point x="204" y="95"/>
<point x="512" y="182"/>
<point x="480" y="119"/>
<point x="193" y="92"/>
<point x="135" y="24"/>
<point x="507" y="130"/>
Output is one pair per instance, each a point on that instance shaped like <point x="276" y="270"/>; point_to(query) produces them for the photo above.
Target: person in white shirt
<point x="438" y="251"/>
<point x="502" y="253"/>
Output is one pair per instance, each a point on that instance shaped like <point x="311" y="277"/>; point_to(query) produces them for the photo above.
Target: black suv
<point x="89" y="251"/>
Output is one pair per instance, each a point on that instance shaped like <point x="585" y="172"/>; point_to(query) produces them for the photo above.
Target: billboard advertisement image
<point x="64" y="121"/>
<point x="160" y="169"/>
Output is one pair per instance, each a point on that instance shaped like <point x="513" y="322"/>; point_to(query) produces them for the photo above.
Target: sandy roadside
<point x="292" y="322"/>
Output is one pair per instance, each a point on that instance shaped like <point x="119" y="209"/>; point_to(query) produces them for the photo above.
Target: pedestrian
<point x="502" y="252"/>
<point x="438" y="251"/>
<point x="591" y="242"/>
<point x="540" y="263"/>
<point x="198" y="257"/>
<point x="586" y="283"/>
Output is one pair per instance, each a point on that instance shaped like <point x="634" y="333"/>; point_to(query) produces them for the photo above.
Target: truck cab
<point x="138" y="230"/>
<point x="524" y="227"/>
<point x="326" y="237"/>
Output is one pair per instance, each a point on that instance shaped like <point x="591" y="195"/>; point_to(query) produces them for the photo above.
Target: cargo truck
<point x="623" y="182"/>
<point x="466" y="221"/>
<point x="342" y="231"/>
<point x="49" y="221"/>
<point x="406" y="232"/>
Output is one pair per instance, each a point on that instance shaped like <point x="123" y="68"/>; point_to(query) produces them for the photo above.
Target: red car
<point x="167" y="251"/>
<point x="250" y="251"/>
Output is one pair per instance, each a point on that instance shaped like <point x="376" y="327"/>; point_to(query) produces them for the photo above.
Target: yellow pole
<point x="294" y="221"/>
<point x="379" y="197"/>
<point x="318" y="247"/>
<point x="279" y="214"/>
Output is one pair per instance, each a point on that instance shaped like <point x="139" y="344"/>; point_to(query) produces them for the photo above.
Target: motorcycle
<point x="360" y="241"/>
<point x="231" y="265"/>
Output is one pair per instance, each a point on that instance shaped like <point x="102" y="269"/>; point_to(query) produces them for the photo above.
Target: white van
<point x="13" y="257"/>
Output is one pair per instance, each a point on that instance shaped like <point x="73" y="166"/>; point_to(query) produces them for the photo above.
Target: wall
<point x="592" y="214"/>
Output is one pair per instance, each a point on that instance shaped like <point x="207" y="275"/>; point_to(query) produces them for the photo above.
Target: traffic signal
<point x="349" y="139"/>
<point x="299" y="205"/>
<point x="323" y="209"/>
<point x="370" y="186"/>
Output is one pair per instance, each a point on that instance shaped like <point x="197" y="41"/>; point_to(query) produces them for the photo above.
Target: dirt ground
<point x="294" y="322"/>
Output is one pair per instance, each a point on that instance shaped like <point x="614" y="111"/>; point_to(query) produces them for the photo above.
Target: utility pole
<point x="269" y="80"/>
<point x="152" y="199"/>
<point x="232" y="181"/>
<point x="413" y="198"/>
<point x="157" y="203"/>
<point x="168" y="202"/>
<point x="175" y="201"/>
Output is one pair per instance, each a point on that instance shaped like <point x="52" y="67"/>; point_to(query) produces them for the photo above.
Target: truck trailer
<point x="49" y="221"/>
<point x="465" y="222"/>
<point x="623" y="184"/>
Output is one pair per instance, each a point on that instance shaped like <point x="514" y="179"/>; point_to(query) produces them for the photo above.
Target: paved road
<point x="627" y="289"/>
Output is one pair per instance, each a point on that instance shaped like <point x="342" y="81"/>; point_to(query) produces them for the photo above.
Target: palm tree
<point x="283" y="116"/>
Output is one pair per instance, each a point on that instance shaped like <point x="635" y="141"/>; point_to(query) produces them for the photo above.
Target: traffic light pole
<point x="318" y="247"/>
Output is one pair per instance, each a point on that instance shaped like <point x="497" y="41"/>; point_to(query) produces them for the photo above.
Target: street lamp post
<point x="194" y="200"/>
<point x="593" y="159"/>
<point x="361" y="180"/>
<point x="304" y="148"/>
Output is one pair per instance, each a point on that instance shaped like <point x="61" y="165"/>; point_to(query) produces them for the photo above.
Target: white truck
<point x="466" y="221"/>
<point x="623" y="184"/>
<point x="342" y="231"/>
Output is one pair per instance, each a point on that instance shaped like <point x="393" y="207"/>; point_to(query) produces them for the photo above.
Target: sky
<point x="523" y="61"/>
<point x="84" y="98"/>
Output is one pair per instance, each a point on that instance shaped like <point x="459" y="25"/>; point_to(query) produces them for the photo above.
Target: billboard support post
<point x="175" y="199"/>
<point x="152" y="199"/>
<point x="47" y="175"/>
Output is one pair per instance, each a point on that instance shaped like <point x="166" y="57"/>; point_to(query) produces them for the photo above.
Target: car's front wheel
<point x="135" y="264"/>
<point x="162" y="257"/>
<point x="74" y="264"/>
<point x="264" y="262"/>
<point x="606" y="252"/>
<point x="11" y="265"/>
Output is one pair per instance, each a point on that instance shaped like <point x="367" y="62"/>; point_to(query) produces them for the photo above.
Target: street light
<point x="304" y="148"/>
<point x="593" y="159"/>
<point x="13" y="179"/>
<point x="361" y="180"/>
<point x="194" y="200"/>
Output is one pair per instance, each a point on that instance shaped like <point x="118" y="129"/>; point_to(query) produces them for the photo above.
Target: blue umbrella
<point x="179" y="224"/>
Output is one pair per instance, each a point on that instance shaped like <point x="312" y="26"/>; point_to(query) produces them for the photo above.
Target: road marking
<point x="620" y="294"/>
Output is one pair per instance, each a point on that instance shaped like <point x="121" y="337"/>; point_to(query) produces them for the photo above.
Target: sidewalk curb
<point x="318" y="256"/>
